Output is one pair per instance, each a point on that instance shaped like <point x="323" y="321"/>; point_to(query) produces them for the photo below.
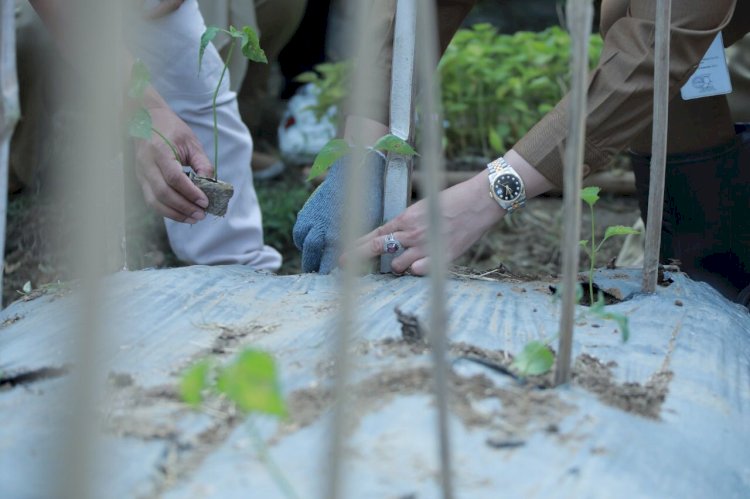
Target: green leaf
<point x="619" y="230"/>
<point x="193" y="382"/>
<point x="140" y="124"/>
<point x="590" y="195"/>
<point x="139" y="80"/>
<point x="535" y="358"/>
<point x="598" y="309"/>
<point x="333" y="150"/>
<point x="26" y="287"/>
<point x="584" y="243"/>
<point x="391" y="143"/>
<point x="208" y="35"/>
<point x="250" y="382"/>
<point x="251" y="46"/>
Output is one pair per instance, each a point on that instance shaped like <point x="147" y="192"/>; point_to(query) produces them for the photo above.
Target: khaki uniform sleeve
<point x="620" y="90"/>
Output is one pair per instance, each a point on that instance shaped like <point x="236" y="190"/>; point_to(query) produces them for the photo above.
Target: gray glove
<point x="317" y="232"/>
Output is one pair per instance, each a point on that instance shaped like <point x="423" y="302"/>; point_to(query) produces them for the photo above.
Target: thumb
<point x="198" y="161"/>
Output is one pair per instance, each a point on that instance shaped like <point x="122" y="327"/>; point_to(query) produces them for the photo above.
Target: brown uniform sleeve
<point x="620" y="91"/>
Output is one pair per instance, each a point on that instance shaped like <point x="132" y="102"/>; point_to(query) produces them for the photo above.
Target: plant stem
<point x="213" y="105"/>
<point x="168" y="142"/>
<point x="265" y="456"/>
<point x="593" y="257"/>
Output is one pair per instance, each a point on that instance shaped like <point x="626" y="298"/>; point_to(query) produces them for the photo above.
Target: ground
<point x="528" y="243"/>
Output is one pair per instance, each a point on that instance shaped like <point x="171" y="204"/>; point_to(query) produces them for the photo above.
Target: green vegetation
<point x="251" y="383"/>
<point x="494" y="87"/>
<point x="250" y="46"/>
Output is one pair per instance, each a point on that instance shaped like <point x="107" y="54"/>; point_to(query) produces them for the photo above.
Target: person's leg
<point x="169" y="47"/>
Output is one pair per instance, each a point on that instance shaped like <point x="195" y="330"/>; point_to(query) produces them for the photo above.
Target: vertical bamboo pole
<point x="91" y="29"/>
<point x="580" y="15"/>
<point x="9" y="112"/>
<point x="432" y="164"/>
<point x="658" y="147"/>
<point x="363" y="85"/>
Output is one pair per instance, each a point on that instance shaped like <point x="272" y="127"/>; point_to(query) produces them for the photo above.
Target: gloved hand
<point x="317" y="232"/>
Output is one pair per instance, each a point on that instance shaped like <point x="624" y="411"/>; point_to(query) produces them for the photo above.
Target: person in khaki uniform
<point x="708" y="181"/>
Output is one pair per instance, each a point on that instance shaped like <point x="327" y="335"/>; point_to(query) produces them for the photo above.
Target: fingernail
<point x="203" y="203"/>
<point x="190" y="221"/>
<point x="198" y="215"/>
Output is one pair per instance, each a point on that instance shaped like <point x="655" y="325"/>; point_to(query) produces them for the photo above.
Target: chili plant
<point x="250" y="382"/>
<point x="590" y="196"/>
<point x="250" y="46"/>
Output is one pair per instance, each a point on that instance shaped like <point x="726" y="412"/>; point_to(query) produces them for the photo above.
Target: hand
<point x="165" y="187"/>
<point x="467" y="212"/>
<point x="317" y="231"/>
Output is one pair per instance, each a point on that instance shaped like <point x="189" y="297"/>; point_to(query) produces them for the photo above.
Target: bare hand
<point x="165" y="186"/>
<point x="467" y="211"/>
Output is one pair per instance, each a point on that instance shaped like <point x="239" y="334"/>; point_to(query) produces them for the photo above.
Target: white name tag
<point x="712" y="76"/>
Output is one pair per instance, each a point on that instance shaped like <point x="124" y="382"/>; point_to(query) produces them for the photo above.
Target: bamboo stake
<point x="658" y="147"/>
<point x="363" y="85"/>
<point x="580" y="14"/>
<point x="9" y="112"/>
<point x="434" y="169"/>
<point x="91" y="31"/>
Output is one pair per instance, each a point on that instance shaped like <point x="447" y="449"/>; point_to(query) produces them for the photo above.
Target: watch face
<point x="507" y="187"/>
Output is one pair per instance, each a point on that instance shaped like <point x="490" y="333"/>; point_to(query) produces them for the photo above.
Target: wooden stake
<point x="9" y="111"/>
<point x="658" y="147"/>
<point x="580" y="14"/>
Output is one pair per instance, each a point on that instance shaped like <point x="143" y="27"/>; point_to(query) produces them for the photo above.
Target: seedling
<point x="250" y="49"/>
<point x="590" y="196"/>
<point x="250" y="382"/>
<point x="337" y="148"/>
<point x="536" y="357"/>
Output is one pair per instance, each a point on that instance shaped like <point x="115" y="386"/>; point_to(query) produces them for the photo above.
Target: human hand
<point x="165" y="186"/>
<point x="467" y="213"/>
<point x="317" y="231"/>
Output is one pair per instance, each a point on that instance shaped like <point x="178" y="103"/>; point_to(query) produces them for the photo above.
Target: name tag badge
<point x="712" y="76"/>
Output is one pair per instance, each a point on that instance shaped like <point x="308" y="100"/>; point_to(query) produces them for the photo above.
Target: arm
<point x="620" y="91"/>
<point x="165" y="187"/>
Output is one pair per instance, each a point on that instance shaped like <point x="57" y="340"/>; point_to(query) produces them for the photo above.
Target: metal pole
<point x="9" y="111"/>
<point x="580" y="14"/>
<point x="398" y="170"/>
<point x="658" y="147"/>
<point x="432" y="164"/>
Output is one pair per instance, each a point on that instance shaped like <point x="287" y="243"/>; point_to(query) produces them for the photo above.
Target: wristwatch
<point x="506" y="186"/>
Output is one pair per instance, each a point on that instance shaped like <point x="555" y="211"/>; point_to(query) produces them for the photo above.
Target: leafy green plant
<point x="337" y="148"/>
<point x="536" y="358"/>
<point x="140" y="125"/>
<point x="590" y="195"/>
<point x="250" y="46"/>
<point x="250" y="382"/>
<point x="494" y="87"/>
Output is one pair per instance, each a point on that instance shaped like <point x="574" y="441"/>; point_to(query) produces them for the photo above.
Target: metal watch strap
<point x="497" y="166"/>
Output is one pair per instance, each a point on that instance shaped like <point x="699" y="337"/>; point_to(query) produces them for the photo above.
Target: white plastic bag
<point x="301" y="134"/>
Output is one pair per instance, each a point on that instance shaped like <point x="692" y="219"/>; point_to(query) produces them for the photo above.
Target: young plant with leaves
<point x="337" y="148"/>
<point x="250" y="46"/>
<point x="251" y="383"/>
<point x="590" y="195"/>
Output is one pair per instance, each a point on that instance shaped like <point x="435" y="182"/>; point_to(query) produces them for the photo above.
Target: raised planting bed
<point x="664" y="415"/>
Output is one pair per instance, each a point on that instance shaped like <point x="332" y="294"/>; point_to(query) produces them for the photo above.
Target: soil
<point x="218" y="193"/>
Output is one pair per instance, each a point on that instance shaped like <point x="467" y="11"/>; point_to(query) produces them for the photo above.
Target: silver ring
<point x="391" y="244"/>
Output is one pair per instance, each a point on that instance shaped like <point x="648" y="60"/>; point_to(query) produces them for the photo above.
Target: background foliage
<point x="495" y="87"/>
